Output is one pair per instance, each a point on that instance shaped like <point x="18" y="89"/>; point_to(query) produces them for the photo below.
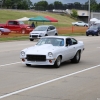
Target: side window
<point x="15" y="23"/>
<point x="74" y="41"/>
<point x="10" y="23"/>
<point x="69" y="42"/>
<point x="49" y="28"/>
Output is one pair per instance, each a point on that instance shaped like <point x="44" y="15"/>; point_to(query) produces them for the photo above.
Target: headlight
<point x="50" y="54"/>
<point x="22" y="53"/>
<point x="41" y="33"/>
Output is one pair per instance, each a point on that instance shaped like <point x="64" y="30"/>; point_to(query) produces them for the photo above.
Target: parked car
<point x="80" y="23"/>
<point x="53" y="50"/>
<point x="43" y="30"/>
<point x="93" y="30"/>
<point x="17" y="26"/>
<point x="4" y="31"/>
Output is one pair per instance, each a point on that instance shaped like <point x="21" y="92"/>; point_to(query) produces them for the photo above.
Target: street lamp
<point x="89" y="12"/>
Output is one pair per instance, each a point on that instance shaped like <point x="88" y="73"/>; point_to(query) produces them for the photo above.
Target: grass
<point x="6" y="15"/>
<point x="63" y="25"/>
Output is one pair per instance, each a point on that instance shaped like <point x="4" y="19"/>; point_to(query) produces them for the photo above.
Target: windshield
<point x="53" y="41"/>
<point x="20" y="22"/>
<point x="41" y="28"/>
<point x="94" y="27"/>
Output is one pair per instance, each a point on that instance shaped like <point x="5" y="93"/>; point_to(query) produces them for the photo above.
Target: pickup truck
<point x="17" y="26"/>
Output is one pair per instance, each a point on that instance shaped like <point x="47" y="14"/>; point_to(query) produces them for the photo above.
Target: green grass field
<point x="63" y="20"/>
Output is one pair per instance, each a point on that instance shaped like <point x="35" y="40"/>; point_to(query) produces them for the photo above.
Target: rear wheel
<point x="57" y="62"/>
<point x="76" y="58"/>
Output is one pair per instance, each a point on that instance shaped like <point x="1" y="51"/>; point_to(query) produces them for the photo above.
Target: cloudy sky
<point x="64" y="1"/>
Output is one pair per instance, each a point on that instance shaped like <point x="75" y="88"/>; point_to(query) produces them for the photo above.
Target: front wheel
<point x="57" y="62"/>
<point x="46" y="34"/>
<point x="98" y="34"/>
<point x="31" y="39"/>
<point x="56" y="34"/>
<point x="28" y="64"/>
<point x="76" y="58"/>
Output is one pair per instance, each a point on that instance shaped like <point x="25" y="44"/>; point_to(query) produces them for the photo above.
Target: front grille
<point x="34" y="35"/>
<point x="36" y="57"/>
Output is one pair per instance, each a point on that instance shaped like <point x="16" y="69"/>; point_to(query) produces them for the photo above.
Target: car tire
<point x="87" y="34"/>
<point x="23" y="31"/>
<point x="31" y="39"/>
<point x="57" y="62"/>
<point x="56" y="34"/>
<point x="75" y="25"/>
<point x="98" y="34"/>
<point x="46" y="34"/>
<point x="77" y="57"/>
<point x="28" y="65"/>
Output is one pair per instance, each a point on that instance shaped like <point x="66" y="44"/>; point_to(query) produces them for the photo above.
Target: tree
<point x="50" y="6"/>
<point x="93" y="5"/>
<point x="41" y="5"/>
<point x="74" y="13"/>
<point x="58" y="5"/>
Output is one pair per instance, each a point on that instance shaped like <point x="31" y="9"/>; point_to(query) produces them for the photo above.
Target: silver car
<point x="80" y="23"/>
<point x="43" y="30"/>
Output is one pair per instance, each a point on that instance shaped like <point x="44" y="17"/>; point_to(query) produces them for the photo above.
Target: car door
<point x="81" y="23"/>
<point x="52" y="31"/>
<point x="70" y="49"/>
<point x="11" y="25"/>
<point x="49" y="31"/>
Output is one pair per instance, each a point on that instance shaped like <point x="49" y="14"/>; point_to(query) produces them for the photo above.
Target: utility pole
<point x="89" y="12"/>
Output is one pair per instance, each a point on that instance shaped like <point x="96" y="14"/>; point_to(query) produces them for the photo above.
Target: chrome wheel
<point x="57" y="62"/>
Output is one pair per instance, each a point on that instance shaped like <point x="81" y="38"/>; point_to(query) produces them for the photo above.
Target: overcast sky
<point x="64" y="1"/>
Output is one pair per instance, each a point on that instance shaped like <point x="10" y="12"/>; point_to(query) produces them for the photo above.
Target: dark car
<point x="93" y="30"/>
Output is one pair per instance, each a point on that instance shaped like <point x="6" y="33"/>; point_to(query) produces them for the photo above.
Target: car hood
<point x="34" y="32"/>
<point x="43" y="49"/>
<point x="92" y="30"/>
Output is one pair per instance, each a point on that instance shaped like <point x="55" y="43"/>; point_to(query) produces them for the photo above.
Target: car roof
<point x="46" y="25"/>
<point x="56" y="37"/>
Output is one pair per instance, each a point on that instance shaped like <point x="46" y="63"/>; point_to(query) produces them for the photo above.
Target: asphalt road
<point x="69" y="82"/>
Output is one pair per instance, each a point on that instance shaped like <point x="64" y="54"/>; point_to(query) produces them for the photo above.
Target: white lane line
<point x="34" y="86"/>
<point x="10" y="64"/>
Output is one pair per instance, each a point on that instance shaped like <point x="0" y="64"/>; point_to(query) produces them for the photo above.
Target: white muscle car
<point x="53" y="50"/>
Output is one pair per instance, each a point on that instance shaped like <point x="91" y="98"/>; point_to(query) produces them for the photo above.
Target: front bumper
<point x="35" y="36"/>
<point x="47" y="62"/>
<point x="92" y="33"/>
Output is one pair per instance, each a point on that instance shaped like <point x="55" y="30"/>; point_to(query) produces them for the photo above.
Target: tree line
<point x="44" y="5"/>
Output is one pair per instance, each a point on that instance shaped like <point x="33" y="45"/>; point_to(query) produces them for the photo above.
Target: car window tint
<point x="10" y="23"/>
<point x="52" y="27"/>
<point x="69" y="42"/>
